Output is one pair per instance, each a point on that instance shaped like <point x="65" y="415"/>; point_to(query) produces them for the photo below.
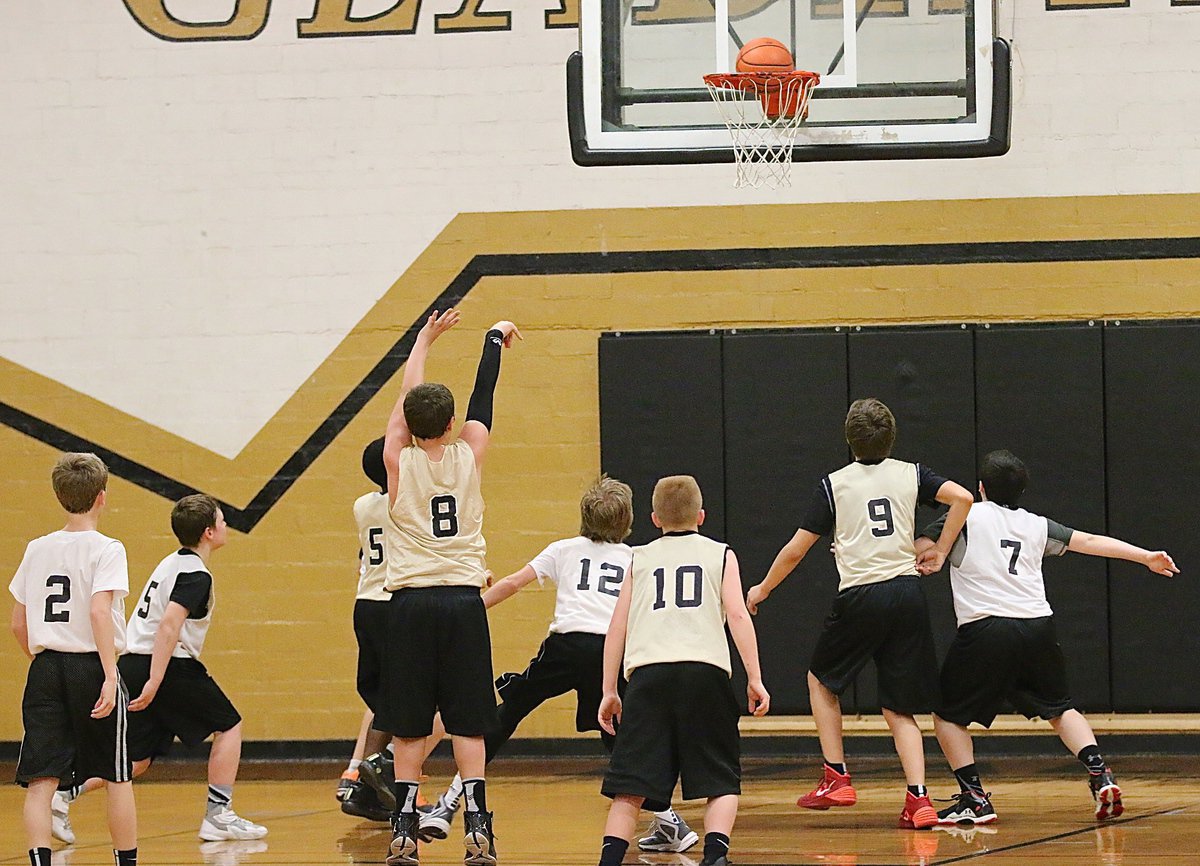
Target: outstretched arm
<point x="960" y="501"/>
<point x="741" y="627"/>
<point x="614" y="652"/>
<point x="785" y="563"/>
<point x="478" y="429"/>
<point x="1158" y="561"/>
<point x="505" y="589"/>
<point x="398" y="436"/>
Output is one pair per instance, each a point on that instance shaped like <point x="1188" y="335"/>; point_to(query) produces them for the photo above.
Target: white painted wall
<point x="247" y="202"/>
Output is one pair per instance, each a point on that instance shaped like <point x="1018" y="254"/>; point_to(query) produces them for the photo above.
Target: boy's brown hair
<point x="606" y="511"/>
<point x="78" y="478"/>
<point x="428" y="410"/>
<point x="870" y="429"/>
<point x="677" y="501"/>
<point x="191" y="516"/>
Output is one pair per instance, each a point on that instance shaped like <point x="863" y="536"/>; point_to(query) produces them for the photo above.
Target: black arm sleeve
<point x="928" y="485"/>
<point x="191" y="590"/>
<point x="480" y="407"/>
<point x="934" y="530"/>
<point x="820" y="515"/>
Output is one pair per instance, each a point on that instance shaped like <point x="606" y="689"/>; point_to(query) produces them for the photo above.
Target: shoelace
<point x="961" y="795"/>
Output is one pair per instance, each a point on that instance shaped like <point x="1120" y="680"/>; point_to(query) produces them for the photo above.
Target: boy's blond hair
<point x="606" y="511"/>
<point x="78" y="478"/>
<point x="677" y="501"/>
<point x="870" y="429"/>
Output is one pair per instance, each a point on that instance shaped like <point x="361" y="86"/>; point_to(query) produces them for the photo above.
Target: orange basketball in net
<point x="782" y="99"/>
<point x="765" y="55"/>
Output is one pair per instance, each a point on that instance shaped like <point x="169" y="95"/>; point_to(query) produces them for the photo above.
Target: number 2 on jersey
<point x="443" y="511"/>
<point x="61" y="597"/>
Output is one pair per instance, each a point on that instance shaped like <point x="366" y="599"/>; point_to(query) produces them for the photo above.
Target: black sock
<point x="39" y="856"/>
<point x="715" y="845"/>
<point x="475" y="795"/>
<point x="613" y="851"/>
<point x="840" y="768"/>
<point x="917" y="790"/>
<point x="1092" y="759"/>
<point x="968" y="779"/>
<point x="126" y="858"/>
<point x="406" y="796"/>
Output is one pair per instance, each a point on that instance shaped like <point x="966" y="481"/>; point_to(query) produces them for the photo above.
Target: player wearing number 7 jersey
<point x="880" y="612"/>
<point x="1006" y="648"/>
<point x="440" y="657"/>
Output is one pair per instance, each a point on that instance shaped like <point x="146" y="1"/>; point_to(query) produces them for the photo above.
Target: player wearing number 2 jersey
<point x="1006" y="648"/>
<point x="69" y="618"/>
<point x="880" y="612"/>
<point x="440" y="656"/>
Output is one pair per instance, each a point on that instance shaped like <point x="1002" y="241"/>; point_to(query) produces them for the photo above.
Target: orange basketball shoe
<point x="918" y="813"/>
<point x="834" y="789"/>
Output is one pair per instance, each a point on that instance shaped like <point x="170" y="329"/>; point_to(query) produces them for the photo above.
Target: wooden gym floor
<point x="552" y="813"/>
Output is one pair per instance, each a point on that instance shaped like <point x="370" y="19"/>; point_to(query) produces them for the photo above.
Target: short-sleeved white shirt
<point x="56" y="580"/>
<point x="588" y="576"/>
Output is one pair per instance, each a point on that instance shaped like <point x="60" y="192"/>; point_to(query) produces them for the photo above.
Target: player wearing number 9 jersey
<point x="439" y="657"/>
<point x="69" y="618"/>
<point x="1006" y="648"/>
<point x="880" y="611"/>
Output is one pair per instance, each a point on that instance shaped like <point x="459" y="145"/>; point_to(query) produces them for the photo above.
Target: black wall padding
<point x="926" y="377"/>
<point x="785" y="407"/>
<point x="661" y="414"/>
<point x="1152" y="379"/>
<point x="1039" y="392"/>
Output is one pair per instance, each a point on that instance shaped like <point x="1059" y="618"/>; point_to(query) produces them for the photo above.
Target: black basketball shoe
<point x="970" y="807"/>
<point x="479" y="840"/>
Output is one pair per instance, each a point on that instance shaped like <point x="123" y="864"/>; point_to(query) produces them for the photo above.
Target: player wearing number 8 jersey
<point x="1006" y="633"/>
<point x="69" y="618"/>
<point x="679" y="718"/>
<point x="440" y="656"/>
<point x="880" y="611"/>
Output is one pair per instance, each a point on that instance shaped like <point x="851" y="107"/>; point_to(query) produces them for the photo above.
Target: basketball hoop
<point x="763" y="111"/>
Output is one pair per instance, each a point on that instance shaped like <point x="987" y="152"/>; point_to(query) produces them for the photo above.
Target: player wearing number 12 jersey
<point x="880" y="612"/>
<point x="440" y="657"/>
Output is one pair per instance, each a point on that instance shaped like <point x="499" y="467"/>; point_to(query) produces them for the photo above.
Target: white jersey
<point x="56" y="580"/>
<point x="182" y="578"/>
<point x="371" y="517"/>
<point x="588" y="576"/>
<point x="435" y="536"/>
<point x="676" y="613"/>
<point x="996" y="563"/>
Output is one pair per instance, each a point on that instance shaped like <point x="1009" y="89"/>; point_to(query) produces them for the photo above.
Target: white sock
<point x="354" y="762"/>
<point x="454" y="792"/>
<point x="669" y="816"/>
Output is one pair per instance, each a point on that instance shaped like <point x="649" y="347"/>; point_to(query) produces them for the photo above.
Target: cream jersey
<point x="587" y="576"/>
<point x="56" y="580"/>
<point x="435" y="536"/>
<point x="371" y="517"/>
<point x="871" y="509"/>
<point x="996" y="562"/>
<point x="676" y="613"/>
<point x="182" y="578"/>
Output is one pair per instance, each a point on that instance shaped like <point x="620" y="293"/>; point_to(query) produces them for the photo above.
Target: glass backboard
<point x="900" y="79"/>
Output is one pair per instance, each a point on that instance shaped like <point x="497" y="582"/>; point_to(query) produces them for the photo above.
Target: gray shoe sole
<point x="479" y="851"/>
<point x="402" y="852"/>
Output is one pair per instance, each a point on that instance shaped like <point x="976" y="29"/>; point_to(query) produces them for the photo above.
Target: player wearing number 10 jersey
<point x="880" y="611"/>
<point x="440" y="655"/>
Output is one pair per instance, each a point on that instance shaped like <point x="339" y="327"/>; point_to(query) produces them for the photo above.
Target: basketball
<point x="765" y="55"/>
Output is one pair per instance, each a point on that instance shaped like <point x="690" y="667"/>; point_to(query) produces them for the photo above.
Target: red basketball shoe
<point x="834" y="790"/>
<point x="918" y="813"/>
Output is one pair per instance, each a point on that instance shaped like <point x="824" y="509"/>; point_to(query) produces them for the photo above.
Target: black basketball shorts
<point x="887" y="622"/>
<point x="189" y="705"/>
<point x="438" y="657"/>
<point x="371" y="629"/>
<point x="679" y="722"/>
<point x="62" y="741"/>
<point x="570" y="662"/>
<point x="999" y="660"/>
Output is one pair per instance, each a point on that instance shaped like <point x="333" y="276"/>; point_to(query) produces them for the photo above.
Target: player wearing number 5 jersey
<point x="1006" y="649"/>
<point x="880" y="612"/>
<point x="679" y="718"/>
<point x="440" y="656"/>
<point x="69" y="618"/>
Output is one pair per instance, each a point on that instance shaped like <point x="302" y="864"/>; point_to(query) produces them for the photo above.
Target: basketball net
<point x="763" y="111"/>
